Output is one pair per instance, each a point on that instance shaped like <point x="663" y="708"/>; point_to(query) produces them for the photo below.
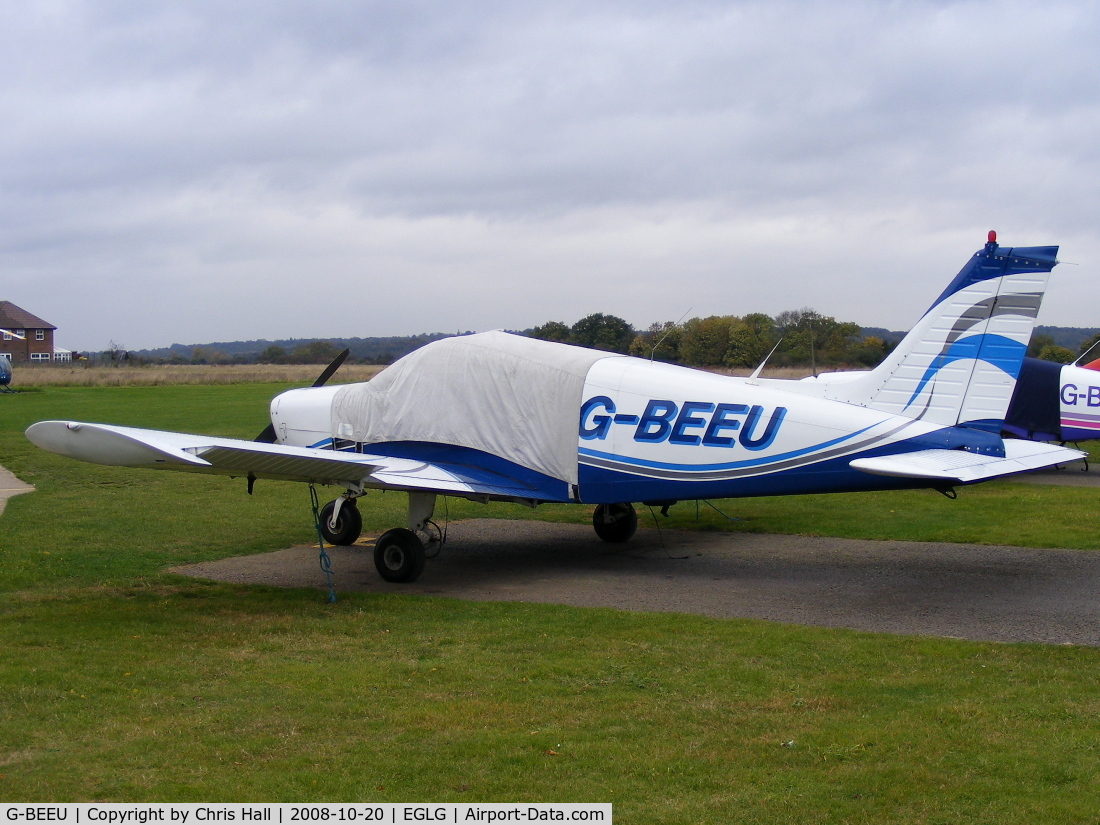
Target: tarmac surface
<point x="1005" y="594"/>
<point x="11" y="486"/>
<point x="1077" y="474"/>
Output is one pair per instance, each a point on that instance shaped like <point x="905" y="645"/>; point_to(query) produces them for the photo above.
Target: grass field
<point x="120" y="682"/>
<point x="30" y="376"/>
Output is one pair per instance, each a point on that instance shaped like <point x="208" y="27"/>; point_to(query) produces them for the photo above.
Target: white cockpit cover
<point x="514" y="397"/>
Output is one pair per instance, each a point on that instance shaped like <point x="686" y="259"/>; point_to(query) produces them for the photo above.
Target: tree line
<point x="804" y="338"/>
<point x="1044" y="346"/>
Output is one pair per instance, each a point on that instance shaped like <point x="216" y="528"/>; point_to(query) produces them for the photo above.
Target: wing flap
<point x="319" y="467"/>
<point x="958" y="466"/>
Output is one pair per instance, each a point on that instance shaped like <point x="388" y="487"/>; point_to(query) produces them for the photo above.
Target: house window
<point x="40" y="356"/>
<point x="40" y="335"/>
<point x="7" y="335"/>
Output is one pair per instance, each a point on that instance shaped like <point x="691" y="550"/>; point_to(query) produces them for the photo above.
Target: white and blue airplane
<point x="1055" y="402"/>
<point x="500" y="417"/>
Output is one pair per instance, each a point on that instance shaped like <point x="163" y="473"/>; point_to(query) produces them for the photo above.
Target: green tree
<point x="274" y="354"/>
<point x="208" y="355"/>
<point x="606" y="332"/>
<point x="798" y="329"/>
<point x="705" y="341"/>
<point x="1089" y="344"/>
<point x="1039" y="340"/>
<point x="751" y="339"/>
<point x="814" y="339"/>
<point x="1053" y="352"/>
<point x="314" y="352"/>
<point x="552" y="331"/>
<point x="661" y="342"/>
<point x="868" y="351"/>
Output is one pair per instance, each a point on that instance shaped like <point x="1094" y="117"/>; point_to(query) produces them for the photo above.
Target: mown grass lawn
<point x="120" y="682"/>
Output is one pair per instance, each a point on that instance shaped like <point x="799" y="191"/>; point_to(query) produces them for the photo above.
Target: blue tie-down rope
<point x="322" y="558"/>
<point x="715" y="509"/>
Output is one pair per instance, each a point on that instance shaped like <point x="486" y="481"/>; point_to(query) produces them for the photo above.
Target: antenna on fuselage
<point x="668" y="332"/>
<point x="756" y="372"/>
<point x="1086" y="353"/>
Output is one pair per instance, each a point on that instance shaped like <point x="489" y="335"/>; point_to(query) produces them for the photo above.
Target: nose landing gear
<point x="341" y="522"/>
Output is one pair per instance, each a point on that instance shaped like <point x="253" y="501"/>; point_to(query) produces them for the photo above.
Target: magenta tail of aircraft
<point x="499" y="417"/>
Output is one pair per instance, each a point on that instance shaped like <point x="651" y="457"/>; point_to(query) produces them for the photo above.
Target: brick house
<point x="37" y="335"/>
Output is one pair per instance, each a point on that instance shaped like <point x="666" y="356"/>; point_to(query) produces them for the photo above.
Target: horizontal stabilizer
<point x="961" y="467"/>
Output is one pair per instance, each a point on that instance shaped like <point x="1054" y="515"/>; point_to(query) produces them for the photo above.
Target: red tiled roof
<point x="13" y="317"/>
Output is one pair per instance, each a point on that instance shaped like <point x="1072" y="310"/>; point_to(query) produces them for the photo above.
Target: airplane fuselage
<point x="659" y="432"/>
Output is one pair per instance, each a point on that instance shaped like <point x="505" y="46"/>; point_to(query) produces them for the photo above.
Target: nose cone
<point x="303" y="417"/>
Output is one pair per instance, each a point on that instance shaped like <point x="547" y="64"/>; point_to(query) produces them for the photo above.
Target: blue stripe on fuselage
<point x="607" y="486"/>
<point x="731" y="465"/>
<point x="479" y="469"/>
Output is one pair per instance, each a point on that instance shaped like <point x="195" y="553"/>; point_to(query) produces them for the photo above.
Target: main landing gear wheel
<point x="399" y="556"/>
<point x="349" y="524"/>
<point x="615" y="522"/>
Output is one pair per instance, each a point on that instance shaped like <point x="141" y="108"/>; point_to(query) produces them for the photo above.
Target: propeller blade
<point x="268" y="435"/>
<point x="331" y="368"/>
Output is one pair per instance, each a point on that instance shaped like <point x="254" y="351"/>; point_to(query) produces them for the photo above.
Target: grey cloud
<point x="217" y="142"/>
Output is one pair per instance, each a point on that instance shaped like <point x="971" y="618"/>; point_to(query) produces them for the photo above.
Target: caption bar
<point x="193" y="813"/>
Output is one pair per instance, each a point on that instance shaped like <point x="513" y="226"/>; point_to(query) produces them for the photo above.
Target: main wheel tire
<point x="399" y="556"/>
<point x="615" y="522"/>
<point x="348" y="526"/>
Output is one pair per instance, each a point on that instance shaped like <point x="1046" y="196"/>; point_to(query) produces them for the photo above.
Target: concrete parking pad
<point x="1007" y="594"/>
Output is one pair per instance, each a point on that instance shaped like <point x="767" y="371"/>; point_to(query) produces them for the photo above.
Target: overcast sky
<point x="202" y="171"/>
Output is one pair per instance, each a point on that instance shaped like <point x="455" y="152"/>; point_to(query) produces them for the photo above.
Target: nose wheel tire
<point x="615" y="523"/>
<point x="399" y="556"/>
<point x="348" y="526"/>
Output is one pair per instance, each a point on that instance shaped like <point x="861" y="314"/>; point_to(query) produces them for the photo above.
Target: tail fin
<point x="958" y="366"/>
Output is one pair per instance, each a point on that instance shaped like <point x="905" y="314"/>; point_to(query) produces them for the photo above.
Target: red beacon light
<point x="993" y="236"/>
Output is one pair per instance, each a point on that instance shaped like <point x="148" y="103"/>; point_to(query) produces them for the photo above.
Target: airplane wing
<point x="158" y="449"/>
<point x="961" y="467"/>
